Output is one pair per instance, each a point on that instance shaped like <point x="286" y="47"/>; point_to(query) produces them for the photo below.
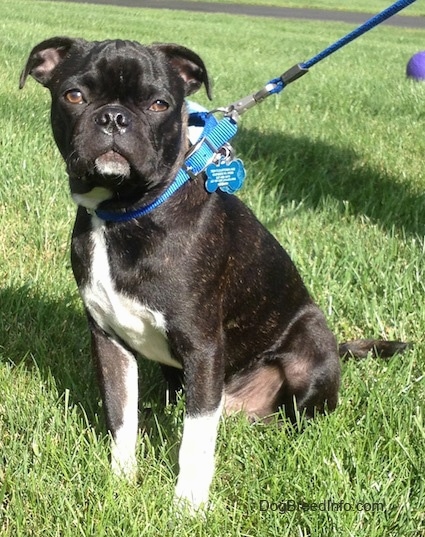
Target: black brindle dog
<point x="197" y="284"/>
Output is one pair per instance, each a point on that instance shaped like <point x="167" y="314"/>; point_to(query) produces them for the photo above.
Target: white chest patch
<point x="139" y="326"/>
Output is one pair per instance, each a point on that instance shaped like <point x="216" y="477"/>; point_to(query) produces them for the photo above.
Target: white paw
<point x="123" y="463"/>
<point x="191" y="498"/>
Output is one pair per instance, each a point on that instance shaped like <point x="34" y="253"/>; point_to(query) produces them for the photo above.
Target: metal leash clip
<point x="236" y="109"/>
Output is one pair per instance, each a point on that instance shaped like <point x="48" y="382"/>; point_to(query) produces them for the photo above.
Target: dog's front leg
<point x="117" y="373"/>
<point x="204" y="401"/>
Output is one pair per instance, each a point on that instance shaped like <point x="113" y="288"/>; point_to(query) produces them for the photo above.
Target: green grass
<point x="366" y="6"/>
<point x="335" y="170"/>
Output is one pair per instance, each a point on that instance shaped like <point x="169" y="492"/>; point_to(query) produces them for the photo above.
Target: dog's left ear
<point x="189" y="65"/>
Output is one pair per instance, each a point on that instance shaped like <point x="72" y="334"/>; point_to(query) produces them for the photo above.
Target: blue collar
<point x="214" y="135"/>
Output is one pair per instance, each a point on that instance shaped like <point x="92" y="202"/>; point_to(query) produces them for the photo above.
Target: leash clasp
<point x="236" y="109"/>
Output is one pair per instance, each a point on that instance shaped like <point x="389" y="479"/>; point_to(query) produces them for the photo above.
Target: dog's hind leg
<point x="310" y="387"/>
<point x="311" y="367"/>
<point x="300" y="374"/>
<point x="117" y="373"/>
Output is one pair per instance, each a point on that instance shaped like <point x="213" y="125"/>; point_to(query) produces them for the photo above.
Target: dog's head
<point x="118" y="114"/>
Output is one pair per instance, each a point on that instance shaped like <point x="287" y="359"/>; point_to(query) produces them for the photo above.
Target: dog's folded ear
<point x="189" y="65"/>
<point x="44" y="58"/>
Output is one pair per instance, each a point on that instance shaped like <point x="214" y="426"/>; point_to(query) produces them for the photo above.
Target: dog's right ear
<point x="44" y="58"/>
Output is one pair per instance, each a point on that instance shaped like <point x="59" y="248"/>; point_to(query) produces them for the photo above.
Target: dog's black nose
<point x="113" y="120"/>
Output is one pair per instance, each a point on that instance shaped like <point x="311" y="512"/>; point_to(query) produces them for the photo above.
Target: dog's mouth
<point x="112" y="164"/>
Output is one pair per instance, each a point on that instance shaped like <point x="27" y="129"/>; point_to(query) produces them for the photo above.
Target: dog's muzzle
<point x="112" y="163"/>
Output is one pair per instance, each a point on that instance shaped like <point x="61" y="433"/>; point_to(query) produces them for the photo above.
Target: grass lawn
<point x="335" y="170"/>
<point x="366" y="6"/>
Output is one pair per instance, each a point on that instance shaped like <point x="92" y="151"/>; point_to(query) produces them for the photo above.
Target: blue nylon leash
<point x="216" y="133"/>
<point x="278" y="84"/>
<point x="365" y="27"/>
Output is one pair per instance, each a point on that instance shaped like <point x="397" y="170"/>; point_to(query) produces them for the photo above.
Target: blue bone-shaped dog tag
<point x="227" y="176"/>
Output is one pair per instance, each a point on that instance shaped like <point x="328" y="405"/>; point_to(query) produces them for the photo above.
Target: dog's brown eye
<point x="74" y="96"/>
<point x="159" y="106"/>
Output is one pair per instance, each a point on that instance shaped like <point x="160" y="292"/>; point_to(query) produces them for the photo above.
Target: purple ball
<point x="416" y="66"/>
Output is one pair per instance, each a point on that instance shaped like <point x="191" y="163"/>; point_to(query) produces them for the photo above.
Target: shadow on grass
<point x="309" y="171"/>
<point x="52" y="336"/>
